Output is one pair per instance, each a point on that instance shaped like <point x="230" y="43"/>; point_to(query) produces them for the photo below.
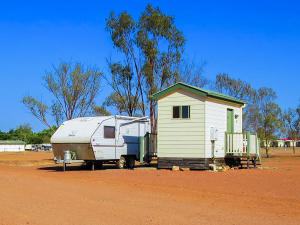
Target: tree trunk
<point x="294" y="143"/>
<point x="267" y="152"/>
<point x="267" y="149"/>
<point x="152" y="116"/>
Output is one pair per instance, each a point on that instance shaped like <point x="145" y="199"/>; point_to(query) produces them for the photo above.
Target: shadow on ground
<point x="87" y="168"/>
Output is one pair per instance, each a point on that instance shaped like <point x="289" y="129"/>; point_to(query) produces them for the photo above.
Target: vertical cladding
<point x="181" y="137"/>
<point x="216" y="116"/>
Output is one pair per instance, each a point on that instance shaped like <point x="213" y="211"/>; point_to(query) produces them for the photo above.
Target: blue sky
<point x="256" y="41"/>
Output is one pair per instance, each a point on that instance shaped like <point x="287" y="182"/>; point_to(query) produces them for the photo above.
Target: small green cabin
<point x="197" y="126"/>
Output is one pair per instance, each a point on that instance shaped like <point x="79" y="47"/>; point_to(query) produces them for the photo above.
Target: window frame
<point x="114" y="136"/>
<point x="188" y="112"/>
<point x="180" y="112"/>
<point x="179" y="107"/>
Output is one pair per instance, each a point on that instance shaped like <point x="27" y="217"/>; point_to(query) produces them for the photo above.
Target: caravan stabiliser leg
<point x="90" y="165"/>
<point x="93" y="166"/>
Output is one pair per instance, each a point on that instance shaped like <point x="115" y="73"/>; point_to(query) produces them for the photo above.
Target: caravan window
<point x="109" y="132"/>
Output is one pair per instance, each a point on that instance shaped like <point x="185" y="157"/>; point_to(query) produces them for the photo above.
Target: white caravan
<point x="100" y="139"/>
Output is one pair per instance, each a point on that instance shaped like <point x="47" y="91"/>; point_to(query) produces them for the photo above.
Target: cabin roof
<point x="198" y="91"/>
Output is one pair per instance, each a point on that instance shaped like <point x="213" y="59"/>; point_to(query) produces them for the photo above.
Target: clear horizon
<point x="256" y="41"/>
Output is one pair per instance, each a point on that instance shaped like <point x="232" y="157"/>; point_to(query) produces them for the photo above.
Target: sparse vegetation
<point x="25" y="133"/>
<point x="73" y="87"/>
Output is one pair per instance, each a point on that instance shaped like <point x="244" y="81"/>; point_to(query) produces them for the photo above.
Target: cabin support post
<point x="232" y="143"/>
<point x="248" y="149"/>
<point x="256" y="150"/>
<point x="226" y="147"/>
<point x="248" y="143"/>
<point x="259" y="152"/>
<point x="149" y="146"/>
<point x="248" y="162"/>
<point x="141" y="149"/>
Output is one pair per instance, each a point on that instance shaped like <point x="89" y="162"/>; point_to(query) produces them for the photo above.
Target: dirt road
<point x="34" y="191"/>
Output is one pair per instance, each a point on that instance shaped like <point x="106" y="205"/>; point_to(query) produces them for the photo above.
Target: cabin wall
<point x="216" y="116"/>
<point x="181" y="138"/>
<point x="12" y="148"/>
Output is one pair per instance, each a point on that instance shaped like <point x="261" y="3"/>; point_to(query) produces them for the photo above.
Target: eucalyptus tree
<point x="268" y="116"/>
<point x="152" y="47"/>
<point x="241" y="90"/>
<point x="162" y="45"/>
<point x="292" y="124"/>
<point x="101" y="111"/>
<point x="125" y="96"/>
<point x="73" y="88"/>
<point x="191" y="73"/>
<point x="125" y="75"/>
<point x="117" y="101"/>
<point x="298" y="120"/>
<point x="38" y="109"/>
<point x="233" y="87"/>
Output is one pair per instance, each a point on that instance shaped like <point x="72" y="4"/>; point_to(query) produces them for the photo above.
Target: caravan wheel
<point x="121" y="163"/>
<point x="99" y="165"/>
<point x="130" y="161"/>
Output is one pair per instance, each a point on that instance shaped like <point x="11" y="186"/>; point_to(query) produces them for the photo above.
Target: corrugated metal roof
<point x="200" y="91"/>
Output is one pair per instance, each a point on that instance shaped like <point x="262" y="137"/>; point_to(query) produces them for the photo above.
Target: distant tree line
<point x="25" y="133"/>
<point x="150" y="58"/>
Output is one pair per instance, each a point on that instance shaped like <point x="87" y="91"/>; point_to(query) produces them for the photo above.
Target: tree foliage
<point x="241" y="90"/>
<point x="152" y="47"/>
<point x="126" y="76"/>
<point x="298" y="120"/>
<point x="101" y="111"/>
<point x="292" y="124"/>
<point x="234" y="87"/>
<point x="37" y="108"/>
<point x="162" y="45"/>
<point x="126" y="90"/>
<point x="191" y="73"/>
<point x="25" y="133"/>
<point x="73" y="87"/>
<point x="117" y="101"/>
<point x="267" y="116"/>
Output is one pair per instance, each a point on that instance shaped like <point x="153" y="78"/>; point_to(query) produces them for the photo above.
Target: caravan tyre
<point x="99" y="165"/>
<point x="121" y="162"/>
<point x="130" y="161"/>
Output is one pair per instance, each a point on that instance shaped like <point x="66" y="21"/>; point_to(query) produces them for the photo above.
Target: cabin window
<point x="109" y="132"/>
<point x="182" y="112"/>
<point x="185" y="111"/>
<point x="176" y="111"/>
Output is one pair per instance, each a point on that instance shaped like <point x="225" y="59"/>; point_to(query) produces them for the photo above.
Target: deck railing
<point x="148" y="147"/>
<point x="242" y="144"/>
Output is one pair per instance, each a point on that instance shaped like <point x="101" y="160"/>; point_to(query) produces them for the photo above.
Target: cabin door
<point x="230" y="125"/>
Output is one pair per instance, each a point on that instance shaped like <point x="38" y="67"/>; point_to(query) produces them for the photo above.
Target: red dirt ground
<point x="35" y="191"/>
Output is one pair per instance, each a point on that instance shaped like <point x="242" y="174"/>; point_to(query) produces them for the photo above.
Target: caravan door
<point x="104" y="140"/>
